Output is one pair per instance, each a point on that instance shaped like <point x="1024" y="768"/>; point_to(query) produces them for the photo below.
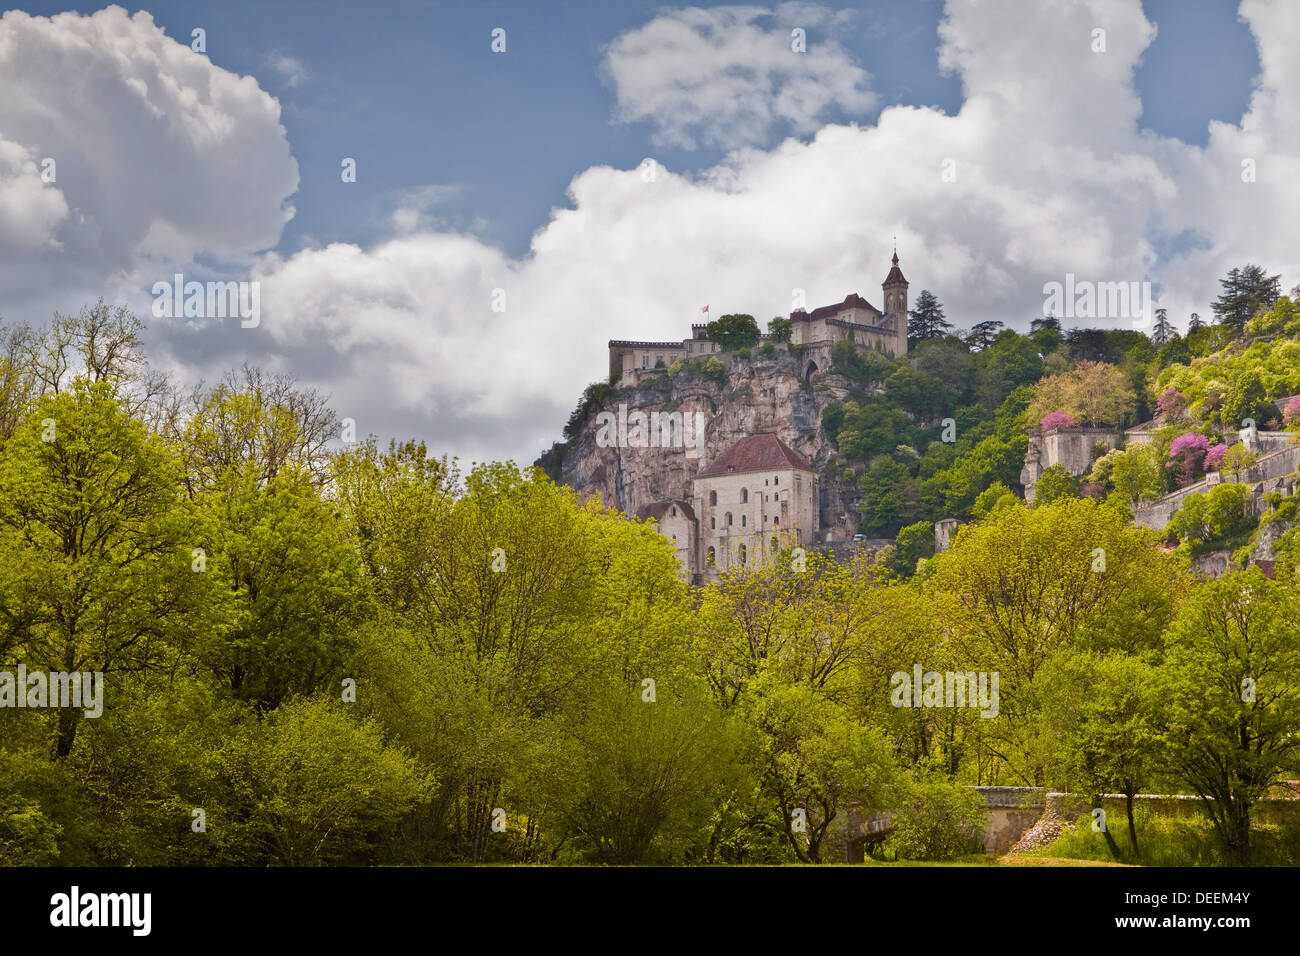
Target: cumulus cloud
<point x="157" y="155"/>
<point x="730" y="76"/>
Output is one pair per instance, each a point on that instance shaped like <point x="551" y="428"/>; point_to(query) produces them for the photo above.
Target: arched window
<point x="776" y="479"/>
<point x="713" y="497"/>
<point x="712" y="558"/>
<point x="713" y="523"/>
<point x="775" y="544"/>
<point x="728" y="519"/>
<point x="743" y="555"/>
<point x="744" y="496"/>
<point x="776" y="522"/>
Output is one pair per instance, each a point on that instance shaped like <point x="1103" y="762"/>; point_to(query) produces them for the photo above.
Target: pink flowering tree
<point x="1214" y="457"/>
<point x="1187" y="453"/>
<point x="1171" y="403"/>
<point x="1291" y="413"/>
<point x="1057" y="419"/>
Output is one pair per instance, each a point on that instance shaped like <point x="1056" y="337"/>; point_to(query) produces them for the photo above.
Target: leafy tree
<point x="914" y="543"/>
<point x="1233" y="693"/>
<point x="1053" y="484"/>
<point x="95" y="545"/>
<point x="1092" y="392"/>
<point x="779" y="329"/>
<point x="733" y="332"/>
<point x="926" y="320"/>
<point x="883" y="494"/>
<point x="1136" y="473"/>
<point x="936" y="819"/>
<point x="1103" y="711"/>
<point x="817" y="761"/>
<point x="1029" y="583"/>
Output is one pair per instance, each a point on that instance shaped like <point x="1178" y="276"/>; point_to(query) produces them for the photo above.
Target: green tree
<point x="1233" y="692"/>
<point x="1053" y="484"/>
<point x="779" y="329"/>
<point x="95" y="545"/>
<point x="926" y="320"/>
<point x="1246" y="291"/>
<point x="733" y="332"/>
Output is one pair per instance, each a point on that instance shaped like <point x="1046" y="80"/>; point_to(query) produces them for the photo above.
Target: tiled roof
<point x="851" y="301"/>
<point x="658" y="509"/>
<point x="895" y="274"/>
<point x="756" y="453"/>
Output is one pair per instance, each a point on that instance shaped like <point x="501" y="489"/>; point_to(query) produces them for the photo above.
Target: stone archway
<point x="810" y="371"/>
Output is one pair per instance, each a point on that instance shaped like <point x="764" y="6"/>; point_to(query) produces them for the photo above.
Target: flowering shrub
<point x="1292" y="410"/>
<point x="1214" y="457"/>
<point x="1187" y="452"/>
<point x="1057" y="419"/>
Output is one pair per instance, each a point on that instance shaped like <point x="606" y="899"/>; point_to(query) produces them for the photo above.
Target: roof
<point x="628" y="343"/>
<point x="756" y="453"/>
<point x="850" y="301"/>
<point x="658" y="509"/>
<point x="895" y="274"/>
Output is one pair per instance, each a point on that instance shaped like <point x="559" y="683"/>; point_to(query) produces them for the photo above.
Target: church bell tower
<point x="895" y="289"/>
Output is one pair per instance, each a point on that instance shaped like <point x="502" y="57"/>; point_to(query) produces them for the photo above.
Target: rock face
<point x="760" y="395"/>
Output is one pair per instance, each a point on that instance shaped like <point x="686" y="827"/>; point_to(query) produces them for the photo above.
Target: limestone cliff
<point x="759" y="395"/>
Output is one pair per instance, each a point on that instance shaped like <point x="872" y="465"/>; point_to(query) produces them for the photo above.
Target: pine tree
<point x="927" y="320"/>
<point x="1245" y="292"/>
<point x="1163" y="331"/>
<point x="1194" y="323"/>
<point x="982" y="334"/>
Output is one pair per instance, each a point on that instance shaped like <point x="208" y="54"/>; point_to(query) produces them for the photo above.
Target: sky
<point x="536" y="178"/>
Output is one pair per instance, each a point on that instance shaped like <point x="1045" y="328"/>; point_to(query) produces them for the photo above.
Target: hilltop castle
<point x="759" y="496"/>
<point x="815" y="332"/>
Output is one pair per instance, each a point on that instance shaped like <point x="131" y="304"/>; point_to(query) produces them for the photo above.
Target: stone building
<point x="816" y="332"/>
<point x="756" y="500"/>
<point x="1070" y="447"/>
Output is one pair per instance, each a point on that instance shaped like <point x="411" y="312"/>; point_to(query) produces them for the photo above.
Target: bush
<point x="937" y="820"/>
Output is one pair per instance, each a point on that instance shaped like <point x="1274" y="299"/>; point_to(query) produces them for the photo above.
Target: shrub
<point x="937" y="820"/>
<point x="1057" y="419"/>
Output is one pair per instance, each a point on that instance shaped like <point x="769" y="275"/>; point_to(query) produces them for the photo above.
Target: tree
<point x="96" y="547"/>
<point x="1232" y="683"/>
<point x="1136" y="473"/>
<point x="914" y="543"/>
<point x="883" y="494"/>
<point x="1054" y="483"/>
<point x="1246" y="291"/>
<point x="817" y="761"/>
<point x="733" y="332"/>
<point x="1103" y="712"/>
<point x="1029" y="583"/>
<point x="1163" y="331"/>
<point x="780" y="329"/>
<point x="926" y="320"/>
<point x="1094" y="393"/>
<point x="981" y="334"/>
<point x="1194" y="323"/>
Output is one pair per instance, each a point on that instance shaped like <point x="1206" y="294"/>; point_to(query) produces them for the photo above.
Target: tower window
<point x="713" y="497"/>
<point x="744" y="496"/>
<point x="743" y="520"/>
<point x="728" y="519"/>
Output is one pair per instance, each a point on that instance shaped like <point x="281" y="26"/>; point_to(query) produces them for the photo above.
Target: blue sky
<point x="780" y="173"/>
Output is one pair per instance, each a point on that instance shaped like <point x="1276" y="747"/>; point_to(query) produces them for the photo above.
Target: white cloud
<point x="291" y="70"/>
<point x="159" y="155"/>
<point x="730" y="76"/>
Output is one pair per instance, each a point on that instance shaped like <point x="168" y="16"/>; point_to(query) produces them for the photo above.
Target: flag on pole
<point x="705" y="309"/>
